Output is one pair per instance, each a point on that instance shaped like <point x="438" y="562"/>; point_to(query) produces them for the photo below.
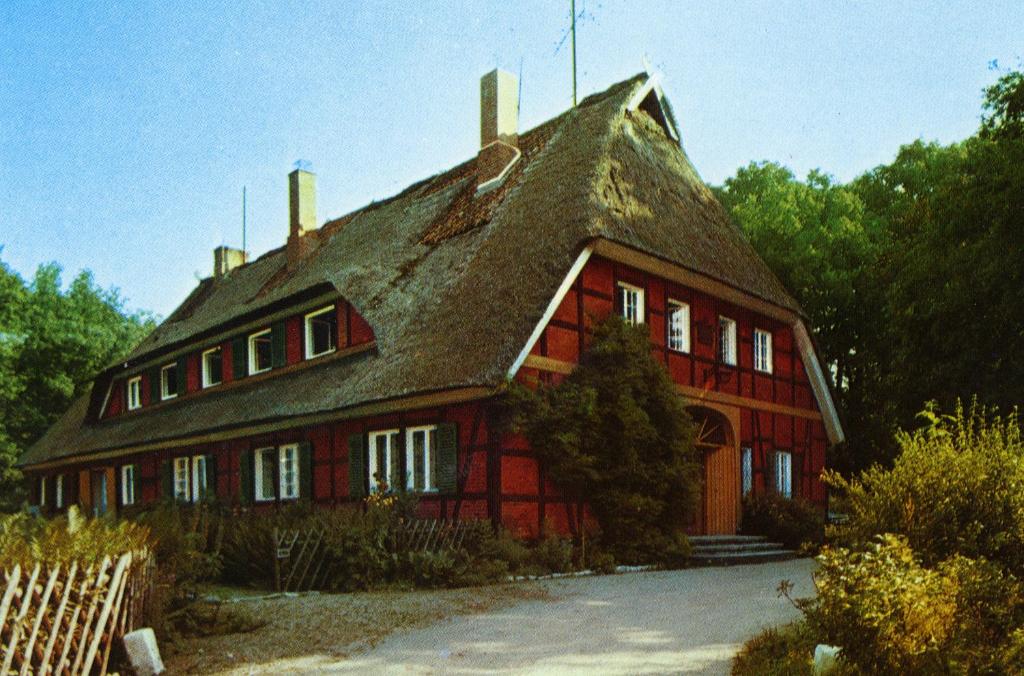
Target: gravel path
<point x="689" y="621"/>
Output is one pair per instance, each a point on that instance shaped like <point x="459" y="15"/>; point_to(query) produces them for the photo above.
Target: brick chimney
<point x="302" y="232"/>
<point x="226" y="259"/>
<point x="499" y="128"/>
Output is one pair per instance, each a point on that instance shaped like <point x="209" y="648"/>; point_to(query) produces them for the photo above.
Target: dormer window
<point x="261" y="352"/>
<point x="213" y="367"/>
<point x="169" y="381"/>
<point x="631" y="302"/>
<point x="134" y="393"/>
<point x="727" y="341"/>
<point x="321" y="332"/>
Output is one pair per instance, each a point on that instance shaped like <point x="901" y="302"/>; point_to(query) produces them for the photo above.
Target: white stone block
<point x="825" y="658"/>
<point x="143" y="652"/>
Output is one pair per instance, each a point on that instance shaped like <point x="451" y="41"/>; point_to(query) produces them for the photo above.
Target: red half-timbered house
<point x="370" y="349"/>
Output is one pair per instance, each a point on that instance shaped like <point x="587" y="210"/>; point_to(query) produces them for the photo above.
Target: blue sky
<point x="127" y="129"/>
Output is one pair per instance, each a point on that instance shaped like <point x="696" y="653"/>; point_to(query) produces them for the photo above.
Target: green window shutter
<point x="183" y="375"/>
<point x="154" y="385"/>
<point x="246" y="487"/>
<point x="277" y="345"/>
<point x="306" y="471"/>
<point x="167" y="479"/>
<point x="211" y="477"/>
<point x="239" y="358"/>
<point x="447" y="456"/>
<point x="356" y="466"/>
<point x="769" y="475"/>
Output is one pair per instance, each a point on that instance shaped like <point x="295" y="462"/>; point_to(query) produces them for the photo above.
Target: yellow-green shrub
<point x="26" y="539"/>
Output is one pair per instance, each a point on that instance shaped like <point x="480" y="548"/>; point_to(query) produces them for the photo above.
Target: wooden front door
<point x="721" y="490"/>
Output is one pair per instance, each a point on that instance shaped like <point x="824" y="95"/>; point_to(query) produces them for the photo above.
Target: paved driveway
<point x="689" y="621"/>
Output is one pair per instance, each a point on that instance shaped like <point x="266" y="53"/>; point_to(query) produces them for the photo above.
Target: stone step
<point x="737" y="548"/>
<point x="742" y="558"/>
<point x="699" y="540"/>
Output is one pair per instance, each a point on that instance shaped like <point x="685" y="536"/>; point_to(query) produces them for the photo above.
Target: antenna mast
<point x="573" y="7"/>
<point x="243" y="220"/>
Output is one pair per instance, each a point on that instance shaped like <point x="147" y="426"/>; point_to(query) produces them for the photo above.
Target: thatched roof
<point x="452" y="283"/>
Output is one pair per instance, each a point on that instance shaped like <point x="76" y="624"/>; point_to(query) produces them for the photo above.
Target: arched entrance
<point x="720" y="498"/>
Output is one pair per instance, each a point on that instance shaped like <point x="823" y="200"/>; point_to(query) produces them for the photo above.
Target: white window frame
<point x="638" y="306"/>
<point x="746" y="471"/>
<point x="784" y="473"/>
<point x="182" y="479"/>
<point x="259" y="456"/>
<point x="428" y="455"/>
<point x="371" y="465"/>
<point x="681" y="309"/>
<point x="134" y="393"/>
<point x="58" y="492"/>
<point x="128" y="496"/>
<point x="199" y="486"/>
<point x="164" y="394"/>
<point x="285" y="491"/>
<point x="762" y="362"/>
<point x="252" y="352"/>
<point x="204" y="367"/>
<point x="42" y="491"/>
<point x="727" y="340"/>
<point x="309" y="334"/>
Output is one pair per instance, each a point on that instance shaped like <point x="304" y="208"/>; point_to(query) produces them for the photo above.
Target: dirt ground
<point x="331" y="627"/>
<point x="687" y="621"/>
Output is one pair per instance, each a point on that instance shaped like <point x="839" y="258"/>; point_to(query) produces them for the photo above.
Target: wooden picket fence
<point x="64" y="619"/>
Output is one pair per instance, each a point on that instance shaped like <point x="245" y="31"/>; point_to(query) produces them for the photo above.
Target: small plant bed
<point x="318" y="627"/>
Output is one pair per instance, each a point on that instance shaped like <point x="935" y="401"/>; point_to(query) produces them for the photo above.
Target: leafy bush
<point x="615" y="434"/>
<point x="791" y="521"/>
<point x="783" y="651"/>
<point x="957" y="487"/>
<point x="25" y="540"/>
<point x="552" y="554"/>
<point x="890" y="614"/>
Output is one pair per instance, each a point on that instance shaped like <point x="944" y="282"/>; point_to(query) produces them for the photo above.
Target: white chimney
<point x="301" y="214"/>
<point x="499" y="128"/>
<point x="226" y="259"/>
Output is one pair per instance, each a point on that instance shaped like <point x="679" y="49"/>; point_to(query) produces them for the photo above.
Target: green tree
<point x="615" y="435"/>
<point x="53" y="342"/>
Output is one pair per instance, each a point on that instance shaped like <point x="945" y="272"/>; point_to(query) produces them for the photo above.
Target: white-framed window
<point x="383" y="467"/>
<point x="784" y="473"/>
<point x="261" y="353"/>
<point x="288" y="471"/>
<point x="212" y="367"/>
<point x="58" y="492"/>
<point x="264" y="460"/>
<point x="182" y="485"/>
<point x="631" y="300"/>
<point x="128" y="496"/>
<point x="199" y="486"/>
<point x="678" y="326"/>
<point x="321" y="329"/>
<point x="169" y="384"/>
<point x="42" y="491"/>
<point x="421" y="458"/>
<point x="747" y="470"/>
<point x="727" y="341"/>
<point x="762" y="351"/>
<point x="134" y="393"/>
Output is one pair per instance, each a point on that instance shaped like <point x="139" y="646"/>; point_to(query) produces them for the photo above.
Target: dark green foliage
<point x="615" y="434"/>
<point x="783" y="651"/>
<point x="791" y="521"/>
<point x="53" y="342"/>
<point x="910" y="274"/>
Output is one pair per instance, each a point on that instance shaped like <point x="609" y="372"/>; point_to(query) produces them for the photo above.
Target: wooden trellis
<point x="301" y="557"/>
<point x="64" y="619"/>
